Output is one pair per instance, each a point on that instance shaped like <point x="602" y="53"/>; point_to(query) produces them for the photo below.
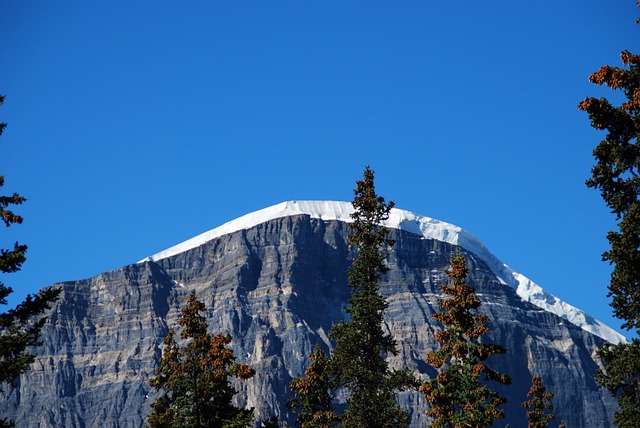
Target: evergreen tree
<point x="361" y="345"/>
<point x="19" y="327"/>
<point x="194" y="378"/>
<point x="458" y="397"/>
<point x="312" y="394"/>
<point x="539" y="404"/>
<point x="617" y="176"/>
<point x="621" y="376"/>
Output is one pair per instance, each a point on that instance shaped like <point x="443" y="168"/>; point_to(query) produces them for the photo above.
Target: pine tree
<point x="539" y="404"/>
<point x="19" y="327"/>
<point x="458" y="397"/>
<point x="194" y="378"/>
<point x="312" y="399"/>
<point x="621" y="377"/>
<point x="617" y="176"/>
<point x="361" y="345"/>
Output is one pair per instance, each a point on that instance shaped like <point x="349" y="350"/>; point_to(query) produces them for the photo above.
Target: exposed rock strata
<point x="277" y="288"/>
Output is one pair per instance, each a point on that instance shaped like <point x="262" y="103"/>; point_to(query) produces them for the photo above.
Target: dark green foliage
<point x="622" y="378"/>
<point x="539" y="403"/>
<point x="19" y="327"/>
<point x="361" y="345"/>
<point x="617" y="176"/>
<point x="195" y="378"/>
<point x="312" y="400"/>
<point x="458" y="397"/>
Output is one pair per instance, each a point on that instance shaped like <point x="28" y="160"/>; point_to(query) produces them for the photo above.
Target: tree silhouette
<point x="194" y="378"/>
<point x="312" y="399"/>
<point x="19" y="327"/>
<point x="458" y="397"/>
<point x="361" y="345"/>
<point x="539" y="403"/>
<point x="617" y="176"/>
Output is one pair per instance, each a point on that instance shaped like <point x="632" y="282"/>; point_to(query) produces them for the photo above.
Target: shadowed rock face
<point x="277" y="288"/>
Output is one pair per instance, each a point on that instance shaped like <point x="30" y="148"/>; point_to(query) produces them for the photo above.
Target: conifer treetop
<point x="358" y="359"/>
<point x="194" y="378"/>
<point x="539" y="403"/>
<point x="458" y="397"/>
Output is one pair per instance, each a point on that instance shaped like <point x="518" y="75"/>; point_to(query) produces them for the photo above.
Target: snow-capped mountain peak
<point x="429" y="228"/>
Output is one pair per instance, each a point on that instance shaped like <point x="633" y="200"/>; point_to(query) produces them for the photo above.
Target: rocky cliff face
<point x="277" y="288"/>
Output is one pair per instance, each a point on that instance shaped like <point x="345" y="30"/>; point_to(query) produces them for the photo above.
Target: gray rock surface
<point x="277" y="288"/>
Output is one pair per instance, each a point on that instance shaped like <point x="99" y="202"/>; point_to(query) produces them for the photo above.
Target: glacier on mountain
<point x="427" y="227"/>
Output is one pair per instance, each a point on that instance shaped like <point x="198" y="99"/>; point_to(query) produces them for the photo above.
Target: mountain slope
<point x="276" y="281"/>
<point x="428" y="228"/>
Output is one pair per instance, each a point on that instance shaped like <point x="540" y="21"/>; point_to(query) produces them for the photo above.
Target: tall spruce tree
<point x="617" y="176"/>
<point x="358" y="359"/>
<point x="194" y="378"/>
<point x="19" y="327"/>
<point x="458" y="396"/>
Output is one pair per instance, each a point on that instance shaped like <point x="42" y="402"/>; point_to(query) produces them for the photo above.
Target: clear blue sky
<point x="133" y="126"/>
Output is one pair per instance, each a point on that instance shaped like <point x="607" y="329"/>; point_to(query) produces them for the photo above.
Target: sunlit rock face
<point x="277" y="288"/>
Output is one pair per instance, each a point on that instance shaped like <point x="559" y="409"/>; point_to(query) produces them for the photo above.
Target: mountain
<point x="276" y="281"/>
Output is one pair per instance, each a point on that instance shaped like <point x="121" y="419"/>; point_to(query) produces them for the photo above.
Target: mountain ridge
<point x="278" y="288"/>
<point x="428" y="228"/>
